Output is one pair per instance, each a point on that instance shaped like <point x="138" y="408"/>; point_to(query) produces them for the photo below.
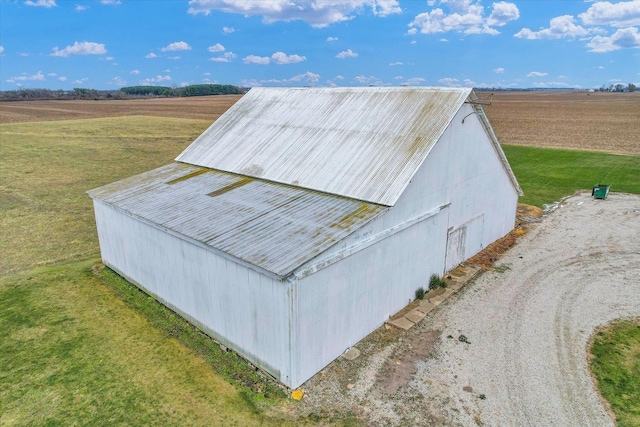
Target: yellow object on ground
<point x="297" y="394"/>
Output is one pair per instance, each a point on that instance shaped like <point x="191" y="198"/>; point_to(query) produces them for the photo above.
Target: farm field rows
<point x="47" y="224"/>
<point x="574" y="120"/>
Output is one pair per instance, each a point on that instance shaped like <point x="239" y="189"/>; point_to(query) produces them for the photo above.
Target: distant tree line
<point x="617" y="88"/>
<point x="123" y="93"/>
<point x="192" y="90"/>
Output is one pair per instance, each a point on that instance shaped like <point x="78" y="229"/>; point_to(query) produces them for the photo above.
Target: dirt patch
<point x="398" y="370"/>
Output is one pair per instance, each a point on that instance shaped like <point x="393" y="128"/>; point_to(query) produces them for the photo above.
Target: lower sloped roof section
<point x="272" y="226"/>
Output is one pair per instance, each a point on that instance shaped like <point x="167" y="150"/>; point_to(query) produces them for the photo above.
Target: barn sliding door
<point x="464" y="242"/>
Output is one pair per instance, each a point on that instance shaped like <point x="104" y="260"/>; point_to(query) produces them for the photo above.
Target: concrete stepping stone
<point x="415" y="315"/>
<point x="437" y="300"/>
<point x="425" y="306"/>
<point x="351" y="354"/>
<point x="402" y="323"/>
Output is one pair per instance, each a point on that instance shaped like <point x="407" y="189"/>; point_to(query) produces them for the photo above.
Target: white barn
<point x="304" y="217"/>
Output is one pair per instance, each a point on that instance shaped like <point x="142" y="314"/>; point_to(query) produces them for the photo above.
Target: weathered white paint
<point x="245" y="310"/>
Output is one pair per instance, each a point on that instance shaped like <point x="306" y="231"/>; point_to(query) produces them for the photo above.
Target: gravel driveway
<point x="511" y="347"/>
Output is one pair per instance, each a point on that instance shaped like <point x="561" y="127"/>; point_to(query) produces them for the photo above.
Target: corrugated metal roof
<point x="362" y="143"/>
<point x="272" y="226"/>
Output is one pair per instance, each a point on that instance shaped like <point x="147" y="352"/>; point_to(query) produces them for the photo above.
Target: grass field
<point x="82" y="347"/>
<point x="546" y="175"/>
<point x="79" y="345"/>
<point x="615" y="363"/>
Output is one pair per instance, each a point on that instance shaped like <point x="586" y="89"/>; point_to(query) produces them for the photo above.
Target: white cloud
<point x="469" y="83"/>
<point x="227" y="30"/>
<point x="315" y="13"/>
<point x="23" y="54"/>
<point x="412" y="42"/>
<point x="176" y="46"/>
<point x="398" y="77"/>
<point x="80" y="48"/>
<point x="449" y="81"/>
<point x="117" y="81"/>
<point x="80" y="8"/>
<point x="51" y="74"/>
<point x="623" y="14"/>
<point x="216" y="48"/>
<point x="173" y="57"/>
<point x="151" y="55"/>
<point x="367" y="80"/>
<point x="254" y="59"/>
<point x="537" y="74"/>
<point x="1" y="49"/>
<point x="498" y="70"/>
<point x="332" y="39"/>
<point x="393" y="64"/>
<point x="600" y="67"/>
<point x="26" y="77"/>
<point x="308" y="77"/>
<point x="282" y="58"/>
<point x="62" y="78"/>
<point x="554" y="85"/>
<point x="346" y="54"/>
<point x="414" y="81"/>
<point x="110" y="1"/>
<point x="225" y="57"/>
<point x="158" y="79"/>
<point x="339" y="77"/>
<point x="41" y="3"/>
<point x="621" y="39"/>
<point x="80" y="81"/>
<point x="502" y="13"/>
<point x="559" y="27"/>
<point x="465" y="16"/>
<point x="443" y="40"/>
<point x="134" y="72"/>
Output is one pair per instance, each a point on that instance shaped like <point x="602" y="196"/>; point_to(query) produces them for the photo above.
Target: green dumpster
<point x="600" y="191"/>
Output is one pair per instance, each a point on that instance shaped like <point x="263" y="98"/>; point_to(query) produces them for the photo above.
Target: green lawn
<point x="616" y="366"/>
<point x="546" y="175"/>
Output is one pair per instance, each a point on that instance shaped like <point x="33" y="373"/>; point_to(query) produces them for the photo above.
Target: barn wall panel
<point x="341" y="304"/>
<point x="247" y="311"/>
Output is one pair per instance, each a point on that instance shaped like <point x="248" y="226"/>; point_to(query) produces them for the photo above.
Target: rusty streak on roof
<point x="275" y="227"/>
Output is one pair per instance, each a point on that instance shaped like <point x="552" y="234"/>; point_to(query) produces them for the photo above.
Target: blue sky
<point x="107" y="44"/>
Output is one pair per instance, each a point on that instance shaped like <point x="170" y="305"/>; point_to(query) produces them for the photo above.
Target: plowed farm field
<point x="201" y="107"/>
<point x="576" y="120"/>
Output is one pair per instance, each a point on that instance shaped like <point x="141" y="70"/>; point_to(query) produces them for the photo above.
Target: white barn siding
<point x="247" y="311"/>
<point x="341" y="304"/>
